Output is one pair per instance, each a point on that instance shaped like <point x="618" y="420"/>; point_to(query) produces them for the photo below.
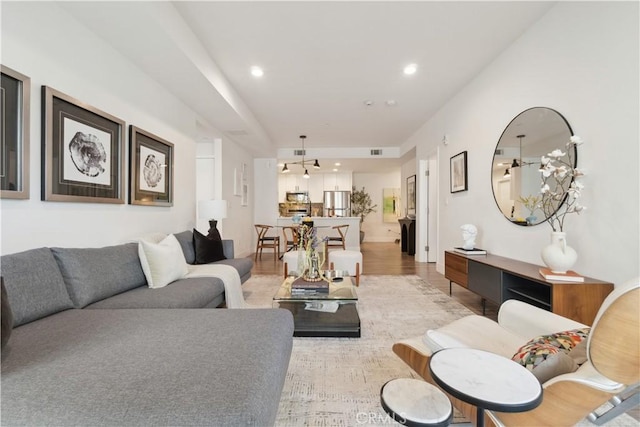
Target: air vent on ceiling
<point x="499" y="152"/>
<point x="376" y="152"/>
<point x="299" y="152"/>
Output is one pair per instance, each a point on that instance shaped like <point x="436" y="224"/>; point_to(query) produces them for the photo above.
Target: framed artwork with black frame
<point x="411" y="195"/>
<point x="83" y="151"/>
<point x="150" y="169"/>
<point x="458" y="172"/>
<point x="15" y="97"/>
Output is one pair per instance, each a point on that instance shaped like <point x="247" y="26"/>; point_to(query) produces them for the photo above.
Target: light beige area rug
<point x="336" y="381"/>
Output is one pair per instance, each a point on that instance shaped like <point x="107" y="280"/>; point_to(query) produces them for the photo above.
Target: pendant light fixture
<point x="316" y="164"/>
<point x="515" y="163"/>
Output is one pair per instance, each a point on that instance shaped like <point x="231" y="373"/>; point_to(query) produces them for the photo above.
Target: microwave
<point x="297" y="197"/>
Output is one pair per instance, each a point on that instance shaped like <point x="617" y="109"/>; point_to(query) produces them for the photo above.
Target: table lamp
<point x="213" y="210"/>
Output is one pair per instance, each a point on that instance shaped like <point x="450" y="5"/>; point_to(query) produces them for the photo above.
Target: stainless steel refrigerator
<point x="337" y="203"/>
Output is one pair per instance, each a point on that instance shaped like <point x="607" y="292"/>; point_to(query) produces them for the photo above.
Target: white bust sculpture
<point x="469" y="233"/>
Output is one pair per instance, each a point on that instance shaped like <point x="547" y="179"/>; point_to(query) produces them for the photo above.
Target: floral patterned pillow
<point x="547" y="356"/>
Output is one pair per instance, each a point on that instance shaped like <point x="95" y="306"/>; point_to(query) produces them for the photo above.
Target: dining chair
<point x="264" y="241"/>
<point x="290" y="234"/>
<point x="338" y="241"/>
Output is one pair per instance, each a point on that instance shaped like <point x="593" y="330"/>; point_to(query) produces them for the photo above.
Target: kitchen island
<point x="324" y="224"/>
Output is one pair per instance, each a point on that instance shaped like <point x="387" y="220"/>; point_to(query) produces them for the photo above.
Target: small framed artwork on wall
<point x="458" y="172"/>
<point x="244" y="182"/>
<point x="237" y="182"/>
<point x="83" y="151"/>
<point x="150" y="169"/>
<point x="411" y="195"/>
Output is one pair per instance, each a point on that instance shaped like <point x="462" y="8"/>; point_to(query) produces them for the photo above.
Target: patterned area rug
<point x="336" y="381"/>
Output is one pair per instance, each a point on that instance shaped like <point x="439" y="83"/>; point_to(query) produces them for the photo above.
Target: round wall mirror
<point x="515" y="175"/>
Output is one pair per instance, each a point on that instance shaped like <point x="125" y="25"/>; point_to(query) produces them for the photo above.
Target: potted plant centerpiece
<point x="361" y="205"/>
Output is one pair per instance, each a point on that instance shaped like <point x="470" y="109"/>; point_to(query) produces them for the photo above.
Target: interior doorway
<point x="426" y="221"/>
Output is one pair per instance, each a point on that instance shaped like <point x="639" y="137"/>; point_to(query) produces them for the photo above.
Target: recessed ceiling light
<point x="368" y="102"/>
<point x="257" y="71"/>
<point x="335" y="169"/>
<point x="410" y="69"/>
<point x="336" y="164"/>
<point x="391" y="103"/>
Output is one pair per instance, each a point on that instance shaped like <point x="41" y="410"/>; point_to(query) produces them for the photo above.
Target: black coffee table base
<point x="344" y="323"/>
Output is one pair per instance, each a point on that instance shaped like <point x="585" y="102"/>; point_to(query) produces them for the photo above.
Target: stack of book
<point x="569" y="276"/>
<point x="474" y="251"/>
<point x="302" y="287"/>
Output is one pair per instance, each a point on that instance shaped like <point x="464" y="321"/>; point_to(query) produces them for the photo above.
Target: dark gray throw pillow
<point x="7" y="315"/>
<point x="207" y="250"/>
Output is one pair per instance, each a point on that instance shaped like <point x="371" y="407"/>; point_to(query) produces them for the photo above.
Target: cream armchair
<point x="613" y="351"/>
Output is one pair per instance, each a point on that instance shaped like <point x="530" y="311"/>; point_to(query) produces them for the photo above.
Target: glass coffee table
<point x="330" y="314"/>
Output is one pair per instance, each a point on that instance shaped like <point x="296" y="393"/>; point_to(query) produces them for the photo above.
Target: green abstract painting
<point x="390" y="204"/>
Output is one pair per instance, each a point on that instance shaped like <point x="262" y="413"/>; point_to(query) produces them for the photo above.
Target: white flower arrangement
<point x="560" y="183"/>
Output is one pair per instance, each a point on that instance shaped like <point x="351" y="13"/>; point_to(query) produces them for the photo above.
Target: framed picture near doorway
<point x="411" y="195"/>
<point x="150" y="169"/>
<point x="458" y="172"/>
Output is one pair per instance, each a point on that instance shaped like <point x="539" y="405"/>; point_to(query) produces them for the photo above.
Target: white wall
<point x="265" y="198"/>
<point x="582" y="60"/>
<point x="375" y="229"/>
<point x="239" y="222"/>
<point x="44" y="42"/>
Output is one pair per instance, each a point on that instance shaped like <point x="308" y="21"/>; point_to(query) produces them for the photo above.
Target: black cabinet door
<point x="485" y="281"/>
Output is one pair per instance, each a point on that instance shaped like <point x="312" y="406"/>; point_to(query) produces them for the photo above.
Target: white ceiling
<point x="321" y="59"/>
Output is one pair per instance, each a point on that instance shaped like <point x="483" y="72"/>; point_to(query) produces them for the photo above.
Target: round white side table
<point x="486" y="380"/>
<point x="416" y="403"/>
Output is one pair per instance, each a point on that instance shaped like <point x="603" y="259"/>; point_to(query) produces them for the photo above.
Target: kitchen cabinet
<point x="316" y="184"/>
<point x="339" y="181"/>
<point x="283" y="187"/>
<point x="291" y="182"/>
<point x="316" y="187"/>
<point x="498" y="279"/>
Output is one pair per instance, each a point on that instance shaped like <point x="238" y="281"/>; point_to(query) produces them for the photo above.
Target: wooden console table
<point x="498" y="279"/>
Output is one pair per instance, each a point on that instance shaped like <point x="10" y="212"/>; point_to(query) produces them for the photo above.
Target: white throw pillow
<point x="162" y="262"/>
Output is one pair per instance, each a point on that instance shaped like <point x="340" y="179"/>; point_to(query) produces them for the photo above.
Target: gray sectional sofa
<point x="92" y="344"/>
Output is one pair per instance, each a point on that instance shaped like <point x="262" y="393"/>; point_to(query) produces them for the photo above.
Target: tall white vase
<point x="559" y="256"/>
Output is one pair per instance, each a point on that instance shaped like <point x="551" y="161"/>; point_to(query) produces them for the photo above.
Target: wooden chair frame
<point x="357" y="275"/>
<point x="264" y="241"/>
<point x="291" y="239"/>
<point x="613" y="350"/>
<point x="341" y="240"/>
